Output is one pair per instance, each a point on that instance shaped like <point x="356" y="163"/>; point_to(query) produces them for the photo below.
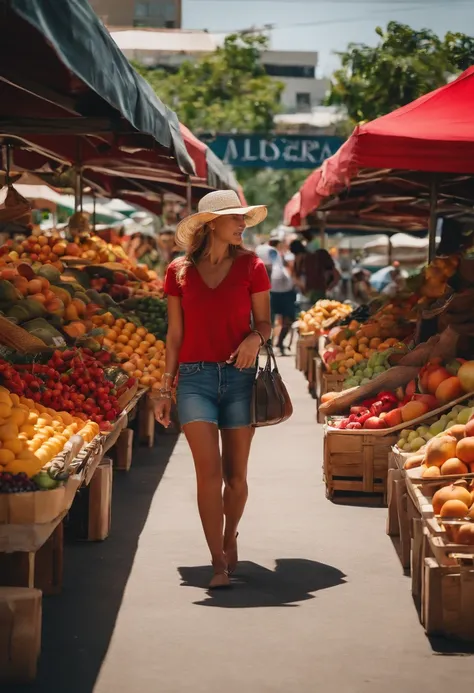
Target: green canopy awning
<point x="65" y="49"/>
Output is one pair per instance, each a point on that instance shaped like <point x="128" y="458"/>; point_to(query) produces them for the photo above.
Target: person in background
<point x="320" y="273"/>
<point x="167" y="249"/>
<point x="283" y="290"/>
<point x="141" y="248"/>
<point x="395" y="284"/>
<point x="267" y="255"/>
<point x="361" y="288"/>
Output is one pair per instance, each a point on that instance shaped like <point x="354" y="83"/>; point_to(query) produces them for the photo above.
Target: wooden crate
<point x="90" y="515"/>
<point x="330" y="382"/>
<point x="356" y="466"/>
<point x="448" y="600"/>
<point x="42" y="569"/>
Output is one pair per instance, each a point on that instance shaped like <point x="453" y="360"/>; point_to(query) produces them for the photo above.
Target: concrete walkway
<point x="321" y="603"/>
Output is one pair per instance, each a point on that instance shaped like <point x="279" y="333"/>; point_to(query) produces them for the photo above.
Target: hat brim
<point x="187" y="227"/>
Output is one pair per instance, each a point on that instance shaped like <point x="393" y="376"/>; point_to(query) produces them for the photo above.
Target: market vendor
<point x="167" y="249"/>
<point x="141" y="247"/>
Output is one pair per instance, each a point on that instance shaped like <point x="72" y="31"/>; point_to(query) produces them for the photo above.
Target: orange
<point x="6" y="456"/>
<point x="15" y="400"/>
<point x="122" y="356"/>
<point x="137" y="374"/>
<point x="112" y="335"/>
<point x="128" y="349"/>
<point x="142" y="332"/>
<point x="146" y="380"/>
<point x="129" y="367"/>
<point x="159" y="344"/>
<point x="130" y="327"/>
<point x="134" y="343"/>
<point x="17" y="416"/>
<point x="122" y="338"/>
<point x="5" y="410"/>
<point x="156" y="374"/>
<point x="120" y="323"/>
<point x="150" y="338"/>
<point x="8" y="431"/>
<point x="14" y="445"/>
<point x="142" y="348"/>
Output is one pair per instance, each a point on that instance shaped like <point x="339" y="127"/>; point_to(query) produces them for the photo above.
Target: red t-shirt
<point x="216" y="320"/>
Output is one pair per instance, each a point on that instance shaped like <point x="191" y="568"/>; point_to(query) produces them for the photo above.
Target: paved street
<point x="321" y="602"/>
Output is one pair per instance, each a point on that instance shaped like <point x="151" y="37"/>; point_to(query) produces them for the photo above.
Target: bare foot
<point x="232" y="553"/>
<point x="220" y="578"/>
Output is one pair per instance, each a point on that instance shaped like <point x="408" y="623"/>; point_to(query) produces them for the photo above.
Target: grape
<point x="16" y="483"/>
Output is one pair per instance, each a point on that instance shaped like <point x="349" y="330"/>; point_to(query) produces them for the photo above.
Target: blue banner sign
<point x="288" y="151"/>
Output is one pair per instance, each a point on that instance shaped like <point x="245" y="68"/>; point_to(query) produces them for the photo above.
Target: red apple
<point x="429" y="400"/>
<point x="410" y="388"/>
<point x="375" y="423"/>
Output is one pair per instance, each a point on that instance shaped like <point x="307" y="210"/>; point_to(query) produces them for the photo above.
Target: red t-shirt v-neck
<point x="216" y="320"/>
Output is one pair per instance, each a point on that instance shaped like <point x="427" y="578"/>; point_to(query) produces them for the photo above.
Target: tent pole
<point x="93" y="209"/>
<point x="189" y="195"/>
<point x="390" y="249"/>
<point x="433" y="220"/>
<point x="322" y="231"/>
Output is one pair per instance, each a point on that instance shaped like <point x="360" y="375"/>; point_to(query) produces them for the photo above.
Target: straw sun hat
<point x="217" y="204"/>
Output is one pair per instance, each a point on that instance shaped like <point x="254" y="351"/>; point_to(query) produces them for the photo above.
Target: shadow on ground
<point x="79" y="623"/>
<point x="293" y="580"/>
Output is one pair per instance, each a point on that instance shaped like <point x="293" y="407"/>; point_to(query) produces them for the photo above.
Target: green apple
<point x="422" y="431"/>
<point x="464" y="415"/>
<point x="437" y="427"/>
<point x="417" y="443"/>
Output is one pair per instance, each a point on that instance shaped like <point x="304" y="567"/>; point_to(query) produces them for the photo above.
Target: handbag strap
<point x="270" y="358"/>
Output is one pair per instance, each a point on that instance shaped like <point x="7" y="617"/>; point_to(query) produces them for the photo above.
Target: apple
<point x="375" y="423"/>
<point x="410" y="389"/>
<point x="429" y="400"/>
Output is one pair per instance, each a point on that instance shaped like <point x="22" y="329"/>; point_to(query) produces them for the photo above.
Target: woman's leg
<point x="203" y="439"/>
<point x="235" y="454"/>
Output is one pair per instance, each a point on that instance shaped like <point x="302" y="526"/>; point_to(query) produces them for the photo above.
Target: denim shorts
<point x="216" y="393"/>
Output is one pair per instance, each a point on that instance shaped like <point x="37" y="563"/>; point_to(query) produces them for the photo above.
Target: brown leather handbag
<point x="271" y="403"/>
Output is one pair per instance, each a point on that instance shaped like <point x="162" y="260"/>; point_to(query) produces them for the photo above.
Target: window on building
<point x="290" y="70"/>
<point x="303" y="101"/>
<point x="158" y="14"/>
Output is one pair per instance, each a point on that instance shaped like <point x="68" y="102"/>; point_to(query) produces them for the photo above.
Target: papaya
<point x="35" y="308"/>
<point x="18" y="312"/>
<point x="62" y="294"/>
<point x="52" y="274"/>
<point x="82" y="296"/>
<point x="8" y="292"/>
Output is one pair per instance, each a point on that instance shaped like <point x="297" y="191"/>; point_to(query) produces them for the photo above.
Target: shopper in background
<point x="214" y="292"/>
<point x="167" y="249"/>
<point x="267" y="255"/>
<point x="283" y="289"/>
<point x="318" y="270"/>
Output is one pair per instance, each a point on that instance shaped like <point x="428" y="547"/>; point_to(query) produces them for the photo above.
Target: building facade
<point x="156" y="14"/>
<point x="168" y="49"/>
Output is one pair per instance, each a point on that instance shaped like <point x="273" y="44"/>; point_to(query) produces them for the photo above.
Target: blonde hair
<point x="197" y="250"/>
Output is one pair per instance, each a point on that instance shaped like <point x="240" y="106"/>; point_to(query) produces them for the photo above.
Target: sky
<point x="326" y="26"/>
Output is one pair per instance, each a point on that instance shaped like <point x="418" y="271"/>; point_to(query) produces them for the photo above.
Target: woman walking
<point x="214" y="292"/>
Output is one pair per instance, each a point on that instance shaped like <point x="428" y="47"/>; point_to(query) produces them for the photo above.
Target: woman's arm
<point x="261" y="314"/>
<point x="246" y="354"/>
<point x="174" y="338"/>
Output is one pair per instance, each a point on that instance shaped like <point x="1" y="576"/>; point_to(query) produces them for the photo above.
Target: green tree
<point x="225" y="91"/>
<point x="405" y="64"/>
<point x="272" y="187"/>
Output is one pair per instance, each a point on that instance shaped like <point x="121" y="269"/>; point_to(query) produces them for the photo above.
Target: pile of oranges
<point x="141" y="354"/>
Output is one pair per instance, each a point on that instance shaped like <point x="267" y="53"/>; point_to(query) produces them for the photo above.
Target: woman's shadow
<point x="293" y="580"/>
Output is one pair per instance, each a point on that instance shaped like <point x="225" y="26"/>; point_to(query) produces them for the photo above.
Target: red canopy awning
<point x="435" y="133"/>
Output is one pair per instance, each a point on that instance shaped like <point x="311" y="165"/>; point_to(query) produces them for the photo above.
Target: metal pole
<point x="390" y="248"/>
<point x="189" y="195"/>
<point x="322" y="231"/>
<point x="8" y="164"/>
<point x="93" y="209"/>
<point x="433" y="218"/>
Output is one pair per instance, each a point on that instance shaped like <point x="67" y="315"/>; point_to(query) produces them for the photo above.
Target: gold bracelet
<point x="262" y="339"/>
